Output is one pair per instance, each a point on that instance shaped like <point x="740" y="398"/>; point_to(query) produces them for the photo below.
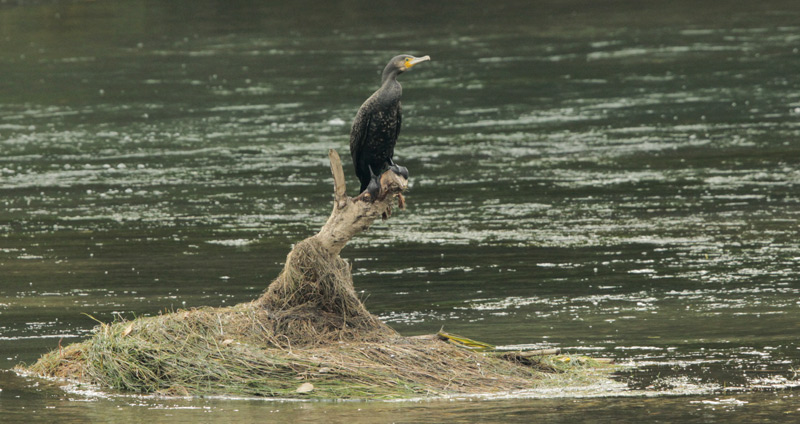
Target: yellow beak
<point x="416" y="60"/>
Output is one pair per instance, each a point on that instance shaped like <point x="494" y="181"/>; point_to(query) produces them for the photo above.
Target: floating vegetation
<point x="226" y="351"/>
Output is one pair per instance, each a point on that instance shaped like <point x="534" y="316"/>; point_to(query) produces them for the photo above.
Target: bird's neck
<point x="390" y="91"/>
<point x="389" y="82"/>
<point x="389" y="74"/>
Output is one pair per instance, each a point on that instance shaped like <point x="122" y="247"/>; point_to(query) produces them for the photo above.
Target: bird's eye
<point x="408" y="59"/>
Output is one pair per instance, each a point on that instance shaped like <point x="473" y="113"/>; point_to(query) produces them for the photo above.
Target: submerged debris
<point x="464" y="342"/>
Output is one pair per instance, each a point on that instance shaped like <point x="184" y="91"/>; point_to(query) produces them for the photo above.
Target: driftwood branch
<point x="351" y="216"/>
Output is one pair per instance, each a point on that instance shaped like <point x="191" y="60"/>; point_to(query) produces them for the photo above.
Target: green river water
<point x="614" y="178"/>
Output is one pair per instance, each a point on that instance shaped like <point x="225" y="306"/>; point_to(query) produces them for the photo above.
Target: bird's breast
<point x="384" y="123"/>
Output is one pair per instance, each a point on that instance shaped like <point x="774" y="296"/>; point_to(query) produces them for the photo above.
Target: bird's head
<point x="402" y="63"/>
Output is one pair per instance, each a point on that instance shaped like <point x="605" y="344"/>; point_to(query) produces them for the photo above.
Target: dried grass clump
<point x="309" y="327"/>
<point x="314" y="302"/>
<point x="222" y="351"/>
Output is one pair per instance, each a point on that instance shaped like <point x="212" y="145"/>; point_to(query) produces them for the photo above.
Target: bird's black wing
<point x="399" y="120"/>
<point x="358" y="138"/>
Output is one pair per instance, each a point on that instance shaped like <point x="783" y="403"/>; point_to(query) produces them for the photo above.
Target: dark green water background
<point x="615" y="178"/>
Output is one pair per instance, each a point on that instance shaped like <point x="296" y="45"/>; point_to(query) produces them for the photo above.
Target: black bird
<point x="377" y="125"/>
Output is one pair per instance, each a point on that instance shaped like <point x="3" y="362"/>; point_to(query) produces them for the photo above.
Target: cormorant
<point x="377" y="125"/>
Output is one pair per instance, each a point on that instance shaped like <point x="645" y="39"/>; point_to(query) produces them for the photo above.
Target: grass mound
<point x="232" y="351"/>
<point x="223" y="351"/>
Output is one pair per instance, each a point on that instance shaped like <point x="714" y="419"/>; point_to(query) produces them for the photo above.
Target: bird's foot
<point x="399" y="170"/>
<point x="373" y="189"/>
